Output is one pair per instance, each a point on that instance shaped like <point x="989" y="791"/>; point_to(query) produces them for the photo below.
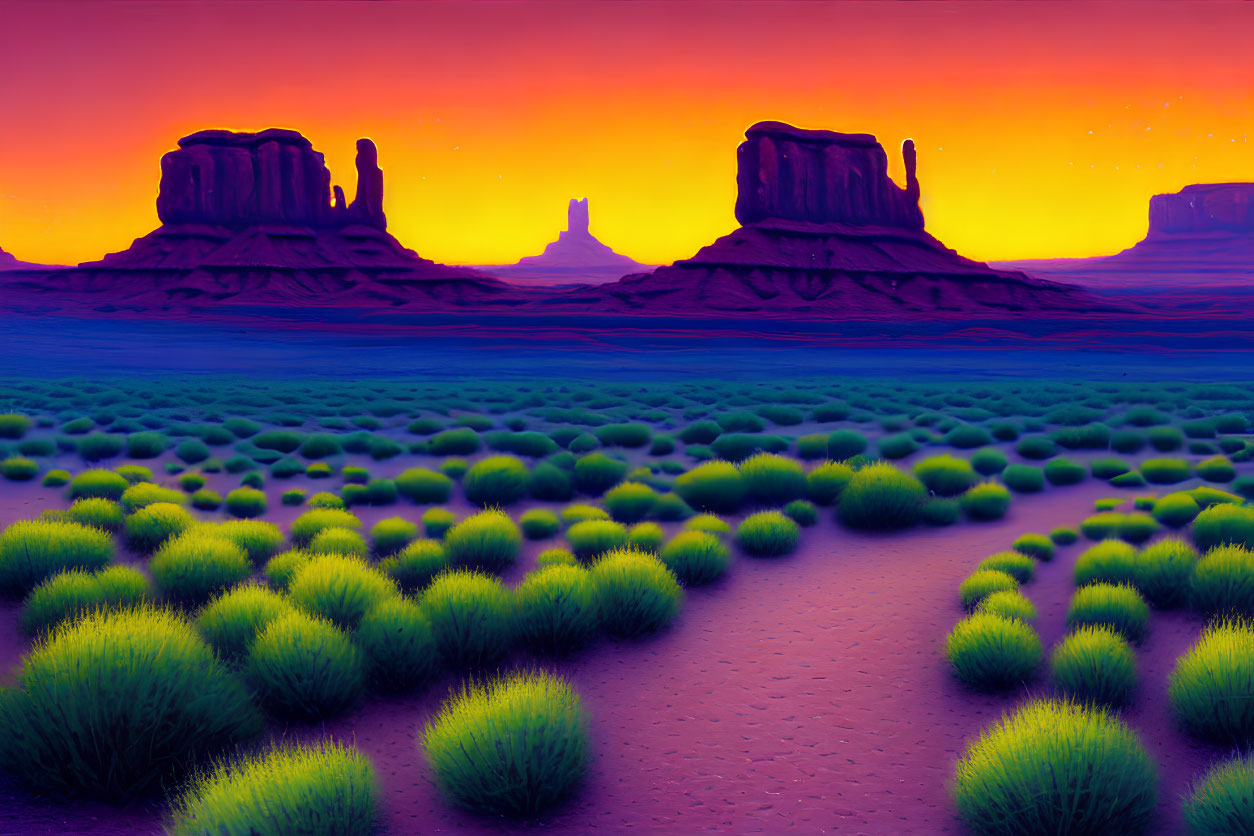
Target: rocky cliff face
<point x="251" y="218"/>
<point x="1199" y="237"/>
<point x="826" y="233"/>
<point x="274" y="176"/>
<point x="790" y="174"/>
<point x="1224" y="208"/>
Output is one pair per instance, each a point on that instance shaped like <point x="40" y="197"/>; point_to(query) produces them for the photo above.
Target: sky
<point x="1042" y="128"/>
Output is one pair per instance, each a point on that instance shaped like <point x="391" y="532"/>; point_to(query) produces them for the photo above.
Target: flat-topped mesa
<point x="822" y="177"/>
<point x="1203" y="208"/>
<point x="274" y="176"/>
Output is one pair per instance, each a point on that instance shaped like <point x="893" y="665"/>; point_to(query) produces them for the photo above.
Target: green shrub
<point x="556" y="557"/>
<point x="416" y="564"/>
<point x="767" y="534"/>
<point x="1166" y="439"/>
<point x="646" y="537"/>
<point x="1222" y="802"/>
<point x="293" y="498"/>
<point x="636" y="593"/>
<point x="246" y="503"/>
<point x="802" y="512"/>
<point x="579" y="513"/>
<point x="556" y="609"/>
<point x="548" y="482"/>
<point x="338" y="587"/>
<point x="308" y="524"/>
<point x="280" y="568"/>
<point x="488" y="540"/>
<point x="1110" y="561"/>
<point x="539" y="523"/>
<point x="143" y="494"/>
<point x="596" y="473"/>
<point x="843" y="444"/>
<point x="1136" y="527"/>
<point x="398" y="644"/>
<point x="825" y="482"/>
<point x="496" y="480"/>
<point x="56" y="478"/>
<point x="356" y="475"/>
<point x="1023" y="478"/>
<point x="257" y="538"/>
<point x="437" y="521"/>
<point x="151" y="526"/>
<point x="1017" y="565"/>
<point x="1034" y="545"/>
<point x="1094" y="665"/>
<point x="624" y="435"/>
<point x="879" y="496"/>
<point x="773" y="479"/>
<point x="1056" y="767"/>
<point x="304" y="666"/>
<point x="967" y="436"/>
<point x="1102" y="525"/>
<point x="320" y="446"/>
<point x="1088" y="437"/>
<point x="591" y="538"/>
<point x="940" y="511"/>
<point x="1119" y="607"/>
<point x="117" y="702"/>
<point x="1064" y="536"/>
<point x="1224" y="524"/>
<point x="232" y="621"/>
<point x="1212" y="687"/>
<point x="1064" y="471"/>
<point x="18" y="469"/>
<point x="192" y="451"/>
<point x="513" y="746"/>
<point x="630" y="501"/>
<point x="1206" y="496"/>
<point x="13" y="425"/>
<point x="191" y="482"/>
<point x="456" y="442"/>
<point x="812" y="446"/>
<point x="1163" y="572"/>
<point x="1223" y="582"/>
<point x="96" y="512"/>
<point x="392" y="534"/>
<point x="343" y="541"/>
<point x="897" y="446"/>
<point x="98" y="483"/>
<point x="1036" y="447"/>
<point x="323" y="788"/>
<point x="992" y="652"/>
<point x="945" y="475"/>
<point x="695" y="557"/>
<point x="985" y="501"/>
<point x="284" y="441"/>
<point x="988" y="461"/>
<point x="708" y="523"/>
<point x="1165" y="471"/>
<point x="74" y="592"/>
<point x="99" y="446"/>
<point x="1176" y="509"/>
<point x="1008" y="604"/>
<point x="471" y="615"/>
<point x="1108" y="468"/>
<point x="982" y="583"/>
<point x="193" y="567"/>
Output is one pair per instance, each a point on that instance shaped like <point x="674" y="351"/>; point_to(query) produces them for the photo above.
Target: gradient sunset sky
<point x="1042" y="128"/>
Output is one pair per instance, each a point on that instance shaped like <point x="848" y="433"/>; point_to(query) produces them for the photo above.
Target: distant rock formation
<point x="1200" y="236"/>
<point x="248" y="218"/>
<point x="827" y="233"/>
<point x="576" y="257"/>
<point x="9" y="261"/>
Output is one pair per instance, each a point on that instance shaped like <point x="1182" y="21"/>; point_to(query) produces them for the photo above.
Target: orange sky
<point x="1042" y="128"/>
